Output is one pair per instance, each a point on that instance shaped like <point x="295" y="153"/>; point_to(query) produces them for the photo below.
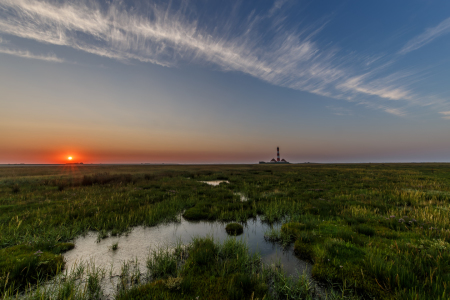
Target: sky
<point x="224" y="81"/>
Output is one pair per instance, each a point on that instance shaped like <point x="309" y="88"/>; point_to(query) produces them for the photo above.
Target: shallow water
<point x="138" y="243"/>
<point x="215" y="182"/>
<point x="141" y="240"/>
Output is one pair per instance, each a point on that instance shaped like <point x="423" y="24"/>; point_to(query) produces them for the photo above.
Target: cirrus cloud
<point x="446" y="114"/>
<point x="427" y="37"/>
<point x="167" y="37"/>
<point x="29" y="55"/>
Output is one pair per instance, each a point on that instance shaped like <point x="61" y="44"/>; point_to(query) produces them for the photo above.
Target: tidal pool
<point x="136" y="246"/>
<point x="141" y="240"/>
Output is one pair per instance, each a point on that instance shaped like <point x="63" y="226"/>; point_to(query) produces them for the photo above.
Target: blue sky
<point x="224" y="81"/>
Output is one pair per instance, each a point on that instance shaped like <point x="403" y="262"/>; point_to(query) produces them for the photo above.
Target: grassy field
<point x="379" y="230"/>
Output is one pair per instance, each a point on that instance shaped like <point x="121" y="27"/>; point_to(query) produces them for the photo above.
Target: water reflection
<point x="138" y="243"/>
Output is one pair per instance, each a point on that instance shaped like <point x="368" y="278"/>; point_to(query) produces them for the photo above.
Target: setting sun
<point x="70" y="157"/>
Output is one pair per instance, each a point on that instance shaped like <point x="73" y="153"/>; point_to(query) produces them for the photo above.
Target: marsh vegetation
<point x="370" y="230"/>
<point x="234" y="229"/>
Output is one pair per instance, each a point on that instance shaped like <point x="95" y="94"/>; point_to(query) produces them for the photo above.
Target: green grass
<point x="381" y="230"/>
<point x="234" y="229"/>
<point x="115" y="246"/>
<point x="22" y="265"/>
<point x="211" y="270"/>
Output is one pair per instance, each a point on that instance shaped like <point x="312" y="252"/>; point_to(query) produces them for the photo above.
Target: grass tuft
<point x="234" y="229"/>
<point x="115" y="246"/>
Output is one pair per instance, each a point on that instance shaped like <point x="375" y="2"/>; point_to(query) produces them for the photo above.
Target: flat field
<point x="373" y="231"/>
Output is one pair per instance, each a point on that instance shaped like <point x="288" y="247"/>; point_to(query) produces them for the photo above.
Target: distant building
<point x="276" y="161"/>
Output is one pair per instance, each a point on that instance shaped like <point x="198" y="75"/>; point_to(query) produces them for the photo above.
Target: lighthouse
<point x="277" y="161"/>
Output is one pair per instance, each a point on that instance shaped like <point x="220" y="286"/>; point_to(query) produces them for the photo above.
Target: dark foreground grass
<point x="22" y="265"/>
<point x="382" y="230"/>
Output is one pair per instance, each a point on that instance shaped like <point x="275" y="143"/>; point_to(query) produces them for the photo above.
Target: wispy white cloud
<point x="385" y="87"/>
<point x="446" y="114"/>
<point x="277" y="6"/>
<point x="164" y="39"/>
<point x="427" y="37"/>
<point x="27" y="54"/>
<point x="167" y="37"/>
<point x="395" y="111"/>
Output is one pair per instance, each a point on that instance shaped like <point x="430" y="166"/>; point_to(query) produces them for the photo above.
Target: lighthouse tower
<point x="276" y="161"/>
